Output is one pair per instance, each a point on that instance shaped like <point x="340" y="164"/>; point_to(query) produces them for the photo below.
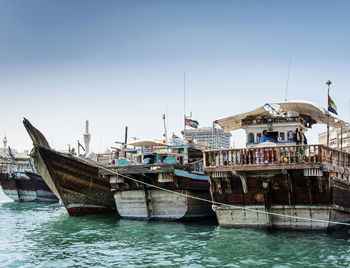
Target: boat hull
<point x="255" y="217"/>
<point x="162" y="205"/>
<point x="281" y="200"/>
<point x="78" y="184"/>
<point x="171" y="201"/>
<point x="26" y="187"/>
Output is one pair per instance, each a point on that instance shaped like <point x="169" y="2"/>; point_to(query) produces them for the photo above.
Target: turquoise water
<point x="43" y="235"/>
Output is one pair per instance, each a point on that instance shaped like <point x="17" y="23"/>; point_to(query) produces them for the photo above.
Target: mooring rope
<point x="211" y="201"/>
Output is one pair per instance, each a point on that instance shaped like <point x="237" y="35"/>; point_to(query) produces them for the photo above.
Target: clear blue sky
<point x="121" y="63"/>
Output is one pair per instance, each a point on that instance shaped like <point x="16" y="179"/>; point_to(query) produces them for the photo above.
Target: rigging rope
<point x="211" y="201"/>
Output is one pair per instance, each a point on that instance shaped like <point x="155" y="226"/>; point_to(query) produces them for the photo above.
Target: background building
<point x="335" y="139"/>
<point x="209" y="137"/>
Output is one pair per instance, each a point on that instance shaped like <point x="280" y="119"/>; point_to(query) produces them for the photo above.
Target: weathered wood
<point x="290" y="190"/>
<point x="80" y="187"/>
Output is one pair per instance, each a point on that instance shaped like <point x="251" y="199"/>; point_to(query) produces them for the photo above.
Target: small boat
<point x="177" y="173"/>
<point x="21" y="183"/>
<point x="278" y="181"/>
<point x="75" y="182"/>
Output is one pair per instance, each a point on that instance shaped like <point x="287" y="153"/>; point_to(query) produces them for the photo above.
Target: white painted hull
<point x="161" y="205"/>
<point x="239" y="218"/>
<point x="26" y="196"/>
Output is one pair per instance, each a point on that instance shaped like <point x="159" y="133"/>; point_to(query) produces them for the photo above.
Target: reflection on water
<point x="40" y="234"/>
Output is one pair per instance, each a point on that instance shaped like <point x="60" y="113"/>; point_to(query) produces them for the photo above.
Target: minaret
<point x="5" y="144"/>
<point x="87" y="138"/>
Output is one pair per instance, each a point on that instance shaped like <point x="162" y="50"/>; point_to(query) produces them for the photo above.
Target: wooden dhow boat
<point x="20" y="182"/>
<point x="173" y="170"/>
<point x="285" y="184"/>
<point x="75" y="182"/>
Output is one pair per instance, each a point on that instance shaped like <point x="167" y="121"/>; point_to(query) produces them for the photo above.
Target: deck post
<point x="290" y="189"/>
<point x="185" y="155"/>
<point x="267" y="203"/>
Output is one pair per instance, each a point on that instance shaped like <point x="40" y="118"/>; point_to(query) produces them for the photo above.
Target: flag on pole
<point x="191" y="123"/>
<point x="331" y="106"/>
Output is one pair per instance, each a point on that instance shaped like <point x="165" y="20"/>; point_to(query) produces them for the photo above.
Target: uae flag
<point x="331" y="106"/>
<point x="191" y="123"/>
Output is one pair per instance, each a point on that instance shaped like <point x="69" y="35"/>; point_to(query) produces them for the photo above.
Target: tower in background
<point x="87" y="138"/>
<point x="5" y="143"/>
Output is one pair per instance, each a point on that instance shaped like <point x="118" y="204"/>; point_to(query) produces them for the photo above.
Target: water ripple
<point x="43" y="235"/>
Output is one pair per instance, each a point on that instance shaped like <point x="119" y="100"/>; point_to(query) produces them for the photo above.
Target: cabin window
<point x="290" y="135"/>
<point x="251" y="137"/>
<point x="282" y="137"/>
<point x="258" y="136"/>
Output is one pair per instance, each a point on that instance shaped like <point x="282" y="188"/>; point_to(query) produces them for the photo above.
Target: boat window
<point x="282" y="137"/>
<point x="290" y="135"/>
<point x="251" y="137"/>
<point x="272" y="134"/>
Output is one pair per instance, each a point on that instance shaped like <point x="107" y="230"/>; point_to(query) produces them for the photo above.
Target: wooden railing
<point x="278" y="155"/>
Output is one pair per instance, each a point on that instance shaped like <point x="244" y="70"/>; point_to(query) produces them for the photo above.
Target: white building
<point x="209" y="137"/>
<point x="335" y="139"/>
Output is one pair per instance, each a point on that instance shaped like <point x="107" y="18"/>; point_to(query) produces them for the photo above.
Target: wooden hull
<point x="290" y="194"/>
<point x="77" y="183"/>
<point x="26" y="187"/>
<point x="136" y="201"/>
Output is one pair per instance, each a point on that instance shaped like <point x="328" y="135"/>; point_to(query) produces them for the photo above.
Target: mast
<point x="328" y="83"/>
<point x="184" y="103"/>
<point x="125" y="139"/>
<point x="165" y="130"/>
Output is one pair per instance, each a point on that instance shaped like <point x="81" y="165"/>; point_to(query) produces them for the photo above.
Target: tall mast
<point x="329" y="84"/>
<point x="165" y="130"/>
<point x="290" y="62"/>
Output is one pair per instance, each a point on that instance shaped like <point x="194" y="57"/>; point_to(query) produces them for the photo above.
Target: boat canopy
<point x="141" y="143"/>
<point x="315" y="112"/>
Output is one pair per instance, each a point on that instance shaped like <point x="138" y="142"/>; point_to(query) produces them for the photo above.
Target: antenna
<point x="290" y="62"/>
<point x="184" y="103"/>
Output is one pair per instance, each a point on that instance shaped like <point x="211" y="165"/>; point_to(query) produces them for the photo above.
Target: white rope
<point x="214" y="202"/>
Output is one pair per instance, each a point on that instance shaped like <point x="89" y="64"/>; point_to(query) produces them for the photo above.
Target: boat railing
<point x="276" y="156"/>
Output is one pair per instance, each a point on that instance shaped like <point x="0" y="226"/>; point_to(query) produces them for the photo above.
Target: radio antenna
<point x="290" y="62"/>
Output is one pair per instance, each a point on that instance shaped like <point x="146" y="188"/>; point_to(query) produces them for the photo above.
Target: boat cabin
<point x="153" y="152"/>
<point x="285" y="123"/>
<point x="282" y="129"/>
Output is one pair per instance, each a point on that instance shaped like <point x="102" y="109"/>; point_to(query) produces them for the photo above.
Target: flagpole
<point x="328" y="83"/>
<point x="341" y="136"/>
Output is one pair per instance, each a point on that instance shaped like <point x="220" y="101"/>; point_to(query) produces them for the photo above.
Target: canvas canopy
<point x="141" y="143"/>
<point x="315" y="112"/>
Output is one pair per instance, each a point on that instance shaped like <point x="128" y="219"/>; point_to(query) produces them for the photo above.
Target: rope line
<point x="214" y="202"/>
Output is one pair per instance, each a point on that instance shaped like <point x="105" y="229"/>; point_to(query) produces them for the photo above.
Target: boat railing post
<point x="185" y="154"/>
<point x="278" y="155"/>
<point x="241" y="157"/>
